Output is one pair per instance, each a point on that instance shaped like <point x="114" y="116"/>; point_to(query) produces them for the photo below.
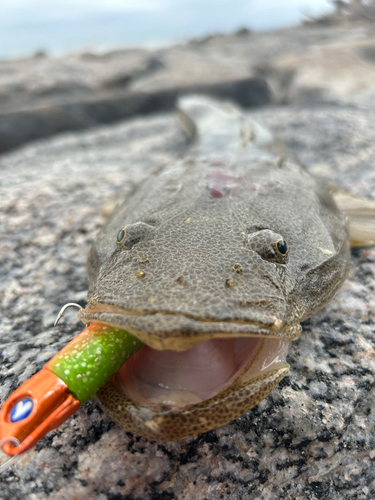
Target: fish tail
<point x="215" y="126"/>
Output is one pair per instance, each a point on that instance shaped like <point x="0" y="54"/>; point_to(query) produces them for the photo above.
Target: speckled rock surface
<point x="312" y="438"/>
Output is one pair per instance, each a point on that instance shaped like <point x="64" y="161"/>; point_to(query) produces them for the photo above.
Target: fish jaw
<point x="179" y="389"/>
<point x="171" y="424"/>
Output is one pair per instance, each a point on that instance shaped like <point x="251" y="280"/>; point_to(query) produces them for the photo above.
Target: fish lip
<point x="161" y="330"/>
<point x="169" y="423"/>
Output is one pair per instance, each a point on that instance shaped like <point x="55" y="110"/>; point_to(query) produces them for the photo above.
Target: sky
<point x="60" y="26"/>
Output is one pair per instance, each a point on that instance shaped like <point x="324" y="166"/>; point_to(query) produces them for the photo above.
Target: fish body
<point x="213" y="262"/>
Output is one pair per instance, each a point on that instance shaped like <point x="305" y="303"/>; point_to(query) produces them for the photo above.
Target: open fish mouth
<point x="181" y="378"/>
<point x="192" y="375"/>
<point x="194" y="363"/>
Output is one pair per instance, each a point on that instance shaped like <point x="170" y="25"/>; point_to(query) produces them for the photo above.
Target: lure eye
<point x="121" y="235"/>
<point x="21" y="410"/>
<point x="282" y="247"/>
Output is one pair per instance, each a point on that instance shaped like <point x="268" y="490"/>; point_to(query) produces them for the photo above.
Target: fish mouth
<point x="178" y="379"/>
<point x="195" y="361"/>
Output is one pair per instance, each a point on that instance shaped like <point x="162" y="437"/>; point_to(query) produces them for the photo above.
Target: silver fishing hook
<point x="10" y="460"/>
<point x="64" y="308"/>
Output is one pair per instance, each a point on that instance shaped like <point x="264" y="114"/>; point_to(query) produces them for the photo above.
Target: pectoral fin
<point x="361" y="216"/>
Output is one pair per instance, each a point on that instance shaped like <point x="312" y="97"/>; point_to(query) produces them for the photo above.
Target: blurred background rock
<point x="43" y="94"/>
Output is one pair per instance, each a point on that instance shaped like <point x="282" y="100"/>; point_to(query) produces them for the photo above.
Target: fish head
<point x="212" y="269"/>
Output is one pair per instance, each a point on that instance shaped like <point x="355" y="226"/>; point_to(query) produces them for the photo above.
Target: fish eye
<point x="269" y="245"/>
<point x="121" y="235"/>
<point x="134" y="233"/>
<point x="282" y="247"/>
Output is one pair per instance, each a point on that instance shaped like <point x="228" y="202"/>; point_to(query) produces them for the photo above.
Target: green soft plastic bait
<point x="91" y="359"/>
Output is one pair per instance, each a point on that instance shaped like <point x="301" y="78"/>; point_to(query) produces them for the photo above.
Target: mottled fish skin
<point x="198" y="260"/>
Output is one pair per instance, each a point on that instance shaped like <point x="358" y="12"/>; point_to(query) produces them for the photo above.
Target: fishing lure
<point x="67" y="381"/>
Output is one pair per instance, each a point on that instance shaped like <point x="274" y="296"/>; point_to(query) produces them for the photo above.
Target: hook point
<point x="64" y="308"/>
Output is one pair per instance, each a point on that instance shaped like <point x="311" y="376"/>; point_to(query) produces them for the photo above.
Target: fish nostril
<point x="181" y="280"/>
<point x="237" y="268"/>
